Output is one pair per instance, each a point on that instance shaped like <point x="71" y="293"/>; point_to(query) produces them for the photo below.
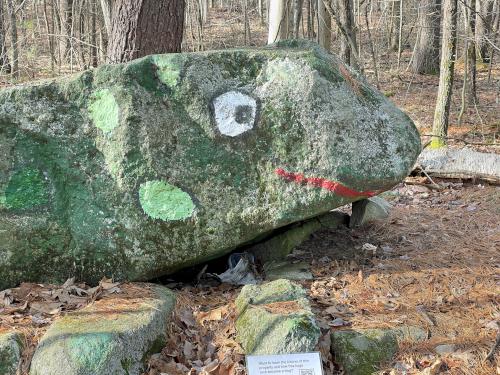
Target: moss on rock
<point x="11" y="345"/>
<point x="362" y="352"/>
<point x="289" y="328"/>
<point x="110" y="337"/>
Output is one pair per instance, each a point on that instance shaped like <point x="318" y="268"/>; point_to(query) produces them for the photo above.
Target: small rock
<point x="445" y="349"/>
<point x="361" y="352"/>
<point x="112" y="336"/>
<point x="369" y="247"/>
<point x="275" y="318"/>
<point x="339" y="322"/>
<point x="369" y="210"/>
<point x="287" y="270"/>
<point x="11" y="346"/>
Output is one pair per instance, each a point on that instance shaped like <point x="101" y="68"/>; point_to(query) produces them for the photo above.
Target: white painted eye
<point x="234" y="113"/>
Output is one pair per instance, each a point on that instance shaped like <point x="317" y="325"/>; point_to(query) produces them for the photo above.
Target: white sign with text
<point x="285" y="364"/>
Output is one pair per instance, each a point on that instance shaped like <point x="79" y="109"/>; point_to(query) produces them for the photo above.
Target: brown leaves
<point x="201" y="335"/>
<point x="36" y="305"/>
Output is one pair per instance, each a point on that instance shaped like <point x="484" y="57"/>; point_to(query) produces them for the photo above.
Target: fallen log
<point x="460" y="164"/>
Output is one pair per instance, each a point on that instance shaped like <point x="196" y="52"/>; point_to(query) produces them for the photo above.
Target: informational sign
<point x="285" y="364"/>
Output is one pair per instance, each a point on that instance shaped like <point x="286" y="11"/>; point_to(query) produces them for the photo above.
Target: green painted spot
<point x="161" y="200"/>
<point x="27" y="188"/>
<point x="104" y="110"/>
<point x="91" y="351"/>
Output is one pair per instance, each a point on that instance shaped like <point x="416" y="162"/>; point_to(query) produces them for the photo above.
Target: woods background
<point x="396" y="43"/>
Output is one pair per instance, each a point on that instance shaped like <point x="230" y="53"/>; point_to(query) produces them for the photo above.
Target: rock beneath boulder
<point x="275" y="318"/>
<point x="137" y="170"/>
<point x="11" y="346"/>
<point x="281" y="244"/>
<point x="460" y="163"/>
<point x="361" y="352"/>
<point x="113" y="336"/>
<point x="369" y="210"/>
<point x="287" y="270"/>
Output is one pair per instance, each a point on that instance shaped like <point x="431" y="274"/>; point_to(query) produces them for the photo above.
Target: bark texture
<point x="346" y="12"/>
<point x="145" y="27"/>
<point x="426" y="53"/>
<point x="484" y="21"/>
<point x="324" y="26"/>
<point x="4" y="59"/>
<point x="448" y="51"/>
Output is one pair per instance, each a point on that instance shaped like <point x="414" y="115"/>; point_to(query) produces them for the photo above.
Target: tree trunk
<point x="276" y="20"/>
<point x="471" y="52"/>
<point x="106" y="12"/>
<point x="93" y="33"/>
<point x="484" y="18"/>
<point x="346" y="11"/>
<point x="4" y="58"/>
<point x="297" y="17"/>
<point x="66" y="16"/>
<point x="426" y="53"/>
<point x="13" y="38"/>
<point x="448" y="50"/>
<point x="395" y="18"/>
<point x="144" y="27"/>
<point x="324" y="26"/>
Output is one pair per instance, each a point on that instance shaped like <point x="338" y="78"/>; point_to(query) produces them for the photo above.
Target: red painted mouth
<point x="334" y="187"/>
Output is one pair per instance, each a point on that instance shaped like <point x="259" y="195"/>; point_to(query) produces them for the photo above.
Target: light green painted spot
<point x="27" y="188"/>
<point x="169" y="68"/>
<point x="161" y="200"/>
<point x="104" y="110"/>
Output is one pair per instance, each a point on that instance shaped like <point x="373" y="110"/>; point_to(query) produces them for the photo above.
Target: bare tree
<point x="106" y="7"/>
<point x="448" y="50"/>
<point x="426" y="52"/>
<point x="346" y="12"/>
<point x="143" y="27"/>
<point x="470" y="26"/>
<point x="277" y="21"/>
<point x="484" y="21"/>
<point x="13" y="38"/>
<point x="324" y="26"/>
<point x="4" y="58"/>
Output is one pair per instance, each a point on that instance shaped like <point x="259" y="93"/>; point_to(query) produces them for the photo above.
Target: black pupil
<point x="243" y="114"/>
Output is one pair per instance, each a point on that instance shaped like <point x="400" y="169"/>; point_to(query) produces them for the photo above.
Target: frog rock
<point x="137" y="170"/>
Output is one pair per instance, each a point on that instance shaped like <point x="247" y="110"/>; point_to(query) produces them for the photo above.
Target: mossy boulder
<point x="137" y="170"/>
<point x="113" y="336"/>
<point x="275" y="318"/>
<point x="11" y="345"/>
<point x="363" y="351"/>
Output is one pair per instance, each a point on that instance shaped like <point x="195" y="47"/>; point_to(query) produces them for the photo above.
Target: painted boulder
<point x="134" y="171"/>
